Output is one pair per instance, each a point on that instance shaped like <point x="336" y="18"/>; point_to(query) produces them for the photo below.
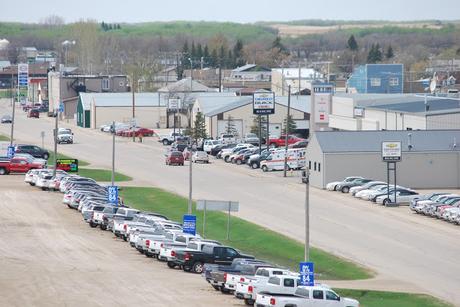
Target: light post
<point x="56" y="121"/>
<point x="307" y="214"/>
<point x="13" y="103"/>
<point x="192" y="145"/>
<point x="112" y="129"/>
<point x="66" y="45"/>
<point x="287" y="132"/>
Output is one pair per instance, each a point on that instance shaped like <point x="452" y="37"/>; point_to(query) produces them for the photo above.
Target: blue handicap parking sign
<point x="189" y="224"/>
<point x="307" y="274"/>
<point x="113" y="194"/>
<point x="61" y="107"/>
<point x="10" y="153"/>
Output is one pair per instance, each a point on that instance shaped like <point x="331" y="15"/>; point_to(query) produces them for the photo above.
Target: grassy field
<point x="62" y="156"/>
<point x="368" y="298"/>
<point x="4" y="138"/>
<point x="102" y="175"/>
<point x="248" y="237"/>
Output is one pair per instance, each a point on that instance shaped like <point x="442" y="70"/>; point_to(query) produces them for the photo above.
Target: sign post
<point x="189" y="224"/>
<point x="217" y="205"/>
<point x="10" y="153"/>
<point x="174" y="105"/>
<point x="307" y="274"/>
<point x="391" y="154"/>
<point x="113" y="194"/>
<point x="263" y="103"/>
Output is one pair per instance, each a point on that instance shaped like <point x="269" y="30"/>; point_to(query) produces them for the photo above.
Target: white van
<point x="275" y="161"/>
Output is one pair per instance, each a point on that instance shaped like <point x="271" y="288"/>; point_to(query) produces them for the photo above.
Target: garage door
<point x="224" y="125"/>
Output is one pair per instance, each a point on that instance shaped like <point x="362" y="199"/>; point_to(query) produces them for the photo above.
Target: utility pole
<point x="112" y="129"/>
<point x="191" y="145"/>
<point x="134" y="107"/>
<point x="307" y="214"/>
<point x="287" y="132"/>
<point x="56" y="121"/>
<point x="13" y="103"/>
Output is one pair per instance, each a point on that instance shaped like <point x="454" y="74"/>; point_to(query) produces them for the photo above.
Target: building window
<point x="394" y="81"/>
<point x="309" y="164"/>
<point x="314" y="167"/>
<point x="220" y="116"/>
<point x="376" y="82"/>
<point x="105" y="84"/>
<point x="319" y="167"/>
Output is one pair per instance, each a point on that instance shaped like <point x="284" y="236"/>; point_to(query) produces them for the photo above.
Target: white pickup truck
<point x="316" y="296"/>
<point x="280" y="284"/>
<point x="245" y="286"/>
<point x="170" y="236"/>
<point x="194" y="245"/>
<point x="180" y="241"/>
<point x="168" y="139"/>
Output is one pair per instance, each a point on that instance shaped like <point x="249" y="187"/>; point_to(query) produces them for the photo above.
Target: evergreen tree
<point x="290" y="123"/>
<point x="374" y="55"/>
<point x="199" y="129"/>
<point x="352" y="44"/>
<point x="103" y="26"/>
<point x="206" y="53"/>
<point x="378" y="53"/>
<point x="230" y="60"/>
<point x="389" y="54"/>
<point x="278" y="45"/>
<point x="193" y="53"/>
<point x="222" y="60"/>
<point x="230" y="127"/>
<point x="199" y="52"/>
<point x="238" y="53"/>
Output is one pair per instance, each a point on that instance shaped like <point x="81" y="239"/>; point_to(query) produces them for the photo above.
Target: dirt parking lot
<point x="50" y="257"/>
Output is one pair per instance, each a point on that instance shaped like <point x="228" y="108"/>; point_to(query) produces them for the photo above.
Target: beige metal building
<point x="430" y="158"/>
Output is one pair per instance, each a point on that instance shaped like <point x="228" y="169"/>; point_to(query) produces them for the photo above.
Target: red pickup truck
<point x="281" y="141"/>
<point x="17" y="165"/>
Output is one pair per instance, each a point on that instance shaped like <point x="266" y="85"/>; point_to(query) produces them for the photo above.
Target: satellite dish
<point x="433" y="84"/>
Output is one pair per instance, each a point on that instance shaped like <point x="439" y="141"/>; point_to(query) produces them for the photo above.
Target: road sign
<point x="263" y="103"/>
<point x="217" y="205"/>
<point x="189" y="224"/>
<point x="61" y="107"/>
<point x="307" y="274"/>
<point x="391" y="151"/>
<point x="113" y="194"/>
<point x="10" y="152"/>
<point x="174" y="104"/>
<point x="67" y="165"/>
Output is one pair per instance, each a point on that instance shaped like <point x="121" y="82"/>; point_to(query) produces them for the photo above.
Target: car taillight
<point x="242" y="279"/>
<point x="125" y="227"/>
<point x="225" y="277"/>
<point x="173" y="254"/>
<point x="187" y="257"/>
<point x="147" y="243"/>
<point x="161" y="245"/>
<point x="250" y="289"/>
<point x="272" y="301"/>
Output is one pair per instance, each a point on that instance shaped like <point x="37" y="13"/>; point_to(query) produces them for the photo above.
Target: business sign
<point x="113" y="194"/>
<point x="189" y="224"/>
<point x="67" y="165"/>
<point x="358" y="112"/>
<point x="391" y="151"/>
<point x="263" y="103"/>
<point x="217" y="205"/>
<point x="174" y="104"/>
<point x="307" y="274"/>
<point x="23" y="75"/>
<point x="10" y="152"/>
<point x="322" y="105"/>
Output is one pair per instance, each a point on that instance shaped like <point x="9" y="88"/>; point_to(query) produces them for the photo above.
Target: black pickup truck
<point x="195" y="260"/>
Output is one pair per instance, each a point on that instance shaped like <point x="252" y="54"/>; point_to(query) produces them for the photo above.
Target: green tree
<point x="389" y="54"/>
<point x="193" y="52"/>
<point x="352" y="44"/>
<point x="214" y="59"/>
<point x="238" y="53"/>
<point x="222" y="60"/>
<point x="230" y="127"/>
<point x="278" y="45"/>
<point x="199" y="128"/>
<point x="290" y="124"/>
<point x="375" y="54"/>
<point x="255" y="126"/>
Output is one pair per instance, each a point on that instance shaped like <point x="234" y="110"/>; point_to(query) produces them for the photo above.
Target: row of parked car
<point x="126" y="130"/>
<point x="225" y="268"/>
<point x="441" y="205"/>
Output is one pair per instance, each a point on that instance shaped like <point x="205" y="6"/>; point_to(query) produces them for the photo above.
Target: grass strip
<point x="102" y="175"/>
<point x="261" y="242"/>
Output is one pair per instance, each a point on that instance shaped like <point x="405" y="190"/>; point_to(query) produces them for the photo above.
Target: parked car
<point x="331" y="186"/>
<point x="17" y="165"/>
<point x="209" y="144"/>
<point x="281" y="141"/>
<point x="403" y="196"/>
<point x="254" y="160"/>
<point x="168" y="139"/>
<point x="175" y="157"/>
<point x="200" y="156"/>
<point x="251" y="138"/>
<point x="299" y="144"/>
<point x="194" y="260"/>
<point x="216" y="149"/>
<point x="370" y="184"/>
<point x="226" y="138"/>
<point x="35" y="151"/>
<point x="65" y="135"/>
<point x="6" y="119"/>
<point x="344" y="187"/>
<point x="33" y="113"/>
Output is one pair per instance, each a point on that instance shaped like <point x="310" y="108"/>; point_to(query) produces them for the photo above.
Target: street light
<point x="66" y="45"/>
<point x="192" y="145"/>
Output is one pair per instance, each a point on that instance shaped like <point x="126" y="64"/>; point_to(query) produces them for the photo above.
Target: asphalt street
<point x="408" y="252"/>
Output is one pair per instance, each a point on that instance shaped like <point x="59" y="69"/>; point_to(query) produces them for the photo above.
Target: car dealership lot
<point x="49" y="257"/>
<point x="403" y="248"/>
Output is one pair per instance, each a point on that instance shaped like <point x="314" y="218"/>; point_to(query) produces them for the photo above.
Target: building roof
<point x="120" y="100"/>
<point x="184" y="86"/>
<point x="212" y="107"/>
<point x="306" y="73"/>
<point x="249" y="67"/>
<point x="371" y="141"/>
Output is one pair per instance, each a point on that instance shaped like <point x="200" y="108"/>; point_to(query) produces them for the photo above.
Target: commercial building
<point x="430" y="159"/>
<point x="300" y="80"/>
<point x="394" y="112"/>
<point x="377" y="79"/>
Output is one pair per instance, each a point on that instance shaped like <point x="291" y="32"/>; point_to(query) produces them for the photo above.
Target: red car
<point x="17" y="165"/>
<point x="281" y="141"/>
<point x="33" y="113"/>
<point x="137" y="132"/>
<point x="175" y="157"/>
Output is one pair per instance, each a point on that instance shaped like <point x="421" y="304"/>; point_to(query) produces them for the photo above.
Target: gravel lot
<point x="49" y="257"/>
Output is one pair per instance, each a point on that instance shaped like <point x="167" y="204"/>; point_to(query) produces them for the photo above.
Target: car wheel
<point x="186" y="268"/>
<point x="386" y="201"/>
<point x="254" y="165"/>
<point x="46" y="156"/>
<point x="238" y="162"/>
<point x="91" y="224"/>
<point x="171" y="265"/>
<point x="217" y="288"/>
<point x="249" y="302"/>
<point x="103" y="227"/>
<point x="265" y="168"/>
<point x="165" y="142"/>
<point x="2" y="171"/>
<point x="226" y="159"/>
<point x="198" y="267"/>
<point x="345" y="189"/>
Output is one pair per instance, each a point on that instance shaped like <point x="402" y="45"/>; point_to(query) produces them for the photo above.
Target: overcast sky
<point x="228" y="10"/>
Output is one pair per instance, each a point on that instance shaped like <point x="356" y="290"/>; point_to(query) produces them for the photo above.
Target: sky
<point x="245" y="11"/>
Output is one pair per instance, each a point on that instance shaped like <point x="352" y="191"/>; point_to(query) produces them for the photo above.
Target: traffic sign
<point x="10" y="152"/>
<point x="307" y="276"/>
<point x="113" y="194"/>
<point x="189" y="224"/>
<point x="61" y="107"/>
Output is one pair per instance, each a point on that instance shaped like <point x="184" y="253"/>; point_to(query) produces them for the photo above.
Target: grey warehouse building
<point x="430" y="158"/>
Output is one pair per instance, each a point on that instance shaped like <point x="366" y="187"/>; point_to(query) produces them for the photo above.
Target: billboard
<point x="263" y="103"/>
<point x="391" y="151"/>
<point x="67" y="165"/>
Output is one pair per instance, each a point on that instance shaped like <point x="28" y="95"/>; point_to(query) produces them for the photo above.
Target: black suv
<point x="35" y="151"/>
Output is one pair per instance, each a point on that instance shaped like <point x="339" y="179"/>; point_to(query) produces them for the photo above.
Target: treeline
<point x="110" y="26"/>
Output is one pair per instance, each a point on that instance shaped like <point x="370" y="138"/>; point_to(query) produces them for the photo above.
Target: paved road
<point x="409" y="252"/>
<point x="50" y="257"/>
